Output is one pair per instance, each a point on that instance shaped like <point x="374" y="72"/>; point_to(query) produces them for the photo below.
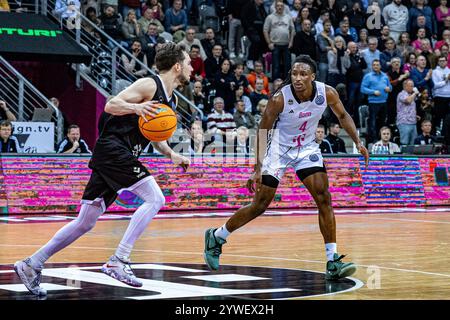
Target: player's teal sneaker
<point x="337" y="269"/>
<point x="213" y="249"/>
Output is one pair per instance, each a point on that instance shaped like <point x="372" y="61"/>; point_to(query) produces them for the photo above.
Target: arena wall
<point x="54" y="184"/>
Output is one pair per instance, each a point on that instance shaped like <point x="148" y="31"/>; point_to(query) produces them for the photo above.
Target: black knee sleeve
<point x="270" y="181"/>
<point x="302" y="174"/>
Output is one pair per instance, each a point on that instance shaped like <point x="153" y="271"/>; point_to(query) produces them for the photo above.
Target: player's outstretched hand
<point x="254" y="182"/>
<point x="365" y="153"/>
<point x="147" y="108"/>
<point x="182" y="161"/>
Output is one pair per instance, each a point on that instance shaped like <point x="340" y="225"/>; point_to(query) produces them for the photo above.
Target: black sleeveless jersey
<point x="120" y="139"/>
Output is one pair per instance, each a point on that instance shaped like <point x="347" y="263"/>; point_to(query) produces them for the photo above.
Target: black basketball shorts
<point x="108" y="179"/>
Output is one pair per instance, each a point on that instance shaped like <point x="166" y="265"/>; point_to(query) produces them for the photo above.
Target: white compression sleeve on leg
<point x="89" y="213"/>
<point x="154" y="200"/>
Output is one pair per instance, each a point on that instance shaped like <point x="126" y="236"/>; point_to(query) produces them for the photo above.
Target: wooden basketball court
<point x="399" y="255"/>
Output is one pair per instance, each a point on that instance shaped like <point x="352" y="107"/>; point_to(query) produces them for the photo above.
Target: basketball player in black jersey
<point x="115" y="168"/>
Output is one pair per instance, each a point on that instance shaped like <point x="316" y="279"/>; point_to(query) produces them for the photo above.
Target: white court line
<point x="411" y="220"/>
<point x="233" y="255"/>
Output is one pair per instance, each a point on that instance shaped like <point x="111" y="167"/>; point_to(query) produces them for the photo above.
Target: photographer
<point x="73" y="143"/>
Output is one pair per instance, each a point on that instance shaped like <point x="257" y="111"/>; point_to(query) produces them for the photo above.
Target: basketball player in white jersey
<point x="115" y="168"/>
<point x="292" y="115"/>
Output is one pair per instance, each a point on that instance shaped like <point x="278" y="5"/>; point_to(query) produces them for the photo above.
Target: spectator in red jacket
<point x="198" y="71"/>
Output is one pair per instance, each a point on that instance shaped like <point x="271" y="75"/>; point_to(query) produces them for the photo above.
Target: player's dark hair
<point x="321" y="126"/>
<point x="168" y="55"/>
<point x="303" y="58"/>
<point x="194" y="46"/>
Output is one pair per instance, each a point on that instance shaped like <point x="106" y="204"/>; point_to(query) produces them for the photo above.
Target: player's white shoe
<point x="30" y="277"/>
<point x="120" y="269"/>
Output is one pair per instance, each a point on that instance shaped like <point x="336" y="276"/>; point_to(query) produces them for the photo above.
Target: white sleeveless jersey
<point x="296" y="125"/>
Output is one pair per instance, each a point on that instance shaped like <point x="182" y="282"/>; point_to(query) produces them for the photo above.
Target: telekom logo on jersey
<point x="304" y="114"/>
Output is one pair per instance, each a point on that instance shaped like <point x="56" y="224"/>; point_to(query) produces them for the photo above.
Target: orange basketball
<point x="161" y="127"/>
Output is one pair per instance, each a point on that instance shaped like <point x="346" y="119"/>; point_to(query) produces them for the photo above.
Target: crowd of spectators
<point x="392" y="56"/>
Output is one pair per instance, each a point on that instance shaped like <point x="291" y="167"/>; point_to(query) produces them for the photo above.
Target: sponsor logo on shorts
<point x="319" y="100"/>
<point x="314" y="157"/>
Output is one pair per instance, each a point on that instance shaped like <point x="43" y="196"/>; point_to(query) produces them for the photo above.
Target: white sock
<point x="222" y="232"/>
<point x="123" y="251"/>
<point x="150" y="192"/>
<point x="139" y="222"/>
<point x="330" y="249"/>
<point x="38" y="259"/>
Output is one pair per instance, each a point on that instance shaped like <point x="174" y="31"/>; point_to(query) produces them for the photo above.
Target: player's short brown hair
<point x="168" y="55"/>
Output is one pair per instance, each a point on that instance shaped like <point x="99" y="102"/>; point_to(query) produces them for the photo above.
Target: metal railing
<point x="106" y="71"/>
<point x="24" y="98"/>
